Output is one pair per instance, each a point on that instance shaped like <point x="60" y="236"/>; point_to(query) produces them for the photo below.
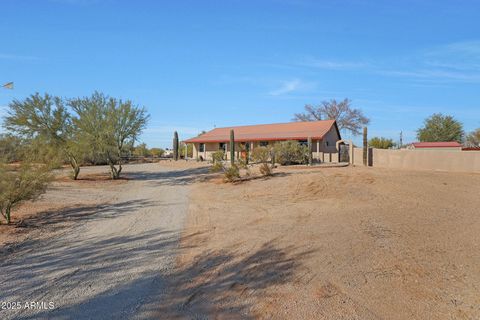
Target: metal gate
<point x="343" y="153"/>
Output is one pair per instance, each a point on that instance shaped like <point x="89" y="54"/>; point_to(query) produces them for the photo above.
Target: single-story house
<point x="448" y="145"/>
<point x="324" y="135"/>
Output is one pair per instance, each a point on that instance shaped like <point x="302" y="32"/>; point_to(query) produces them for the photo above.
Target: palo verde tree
<point x="347" y="117"/>
<point x="109" y="126"/>
<point x="46" y="120"/>
<point x="439" y="128"/>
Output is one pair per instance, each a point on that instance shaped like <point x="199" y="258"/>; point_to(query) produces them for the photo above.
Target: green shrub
<point x="265" y="169"/>
<point x="232" y="173"/>
<point x="216" y="167"/>
<point x="290" y="152"/>
<point x="16" y="186"/>
<point x="218" y="156"/>
<point x="262" y="155"/>
<point x="11" y="148"/>
<point x="381" y="143"/>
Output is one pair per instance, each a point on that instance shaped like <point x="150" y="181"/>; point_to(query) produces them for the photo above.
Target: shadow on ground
<point x="172" y="177"/>
<point x="218" y="284"/>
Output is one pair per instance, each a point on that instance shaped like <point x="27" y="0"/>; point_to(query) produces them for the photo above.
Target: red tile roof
<point x="450" y="144"/>
<point x="269" y="132"/>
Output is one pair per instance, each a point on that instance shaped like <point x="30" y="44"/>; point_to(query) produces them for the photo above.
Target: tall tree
<point x="347" y="117"/>
<point x="439" y="127"/>
<point x="46" y="119"/>
<point x="109" y="126"/>
<point x="473" y="138"/>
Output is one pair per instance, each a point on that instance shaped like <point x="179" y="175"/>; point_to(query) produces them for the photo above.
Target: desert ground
<point x="173" y="241"/>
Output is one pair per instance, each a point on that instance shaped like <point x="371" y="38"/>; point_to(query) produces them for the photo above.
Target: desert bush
<point x="216" y="167"/>
<point x="157" y="152"/>
<point x="16" y="186"/>
<point x="141" y="150"/>
<point x="290" y="152"/>
<point x="11" y="148"/>
<point x="232" y="173"/>
<point x="381" y="143"/>
<point x="218" y="156"/>
<point x="265" y="169"/>
<point x="262" y="155"/>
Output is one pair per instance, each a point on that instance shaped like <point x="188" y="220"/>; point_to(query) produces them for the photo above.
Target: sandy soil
<point x="336" y="243"/>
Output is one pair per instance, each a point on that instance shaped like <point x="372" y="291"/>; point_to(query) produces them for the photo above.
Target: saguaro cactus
<point x="310" y="156"/>
<point x="175" y="146"/>
<point x="232" y="147"/>
<point x="365" y="147"/>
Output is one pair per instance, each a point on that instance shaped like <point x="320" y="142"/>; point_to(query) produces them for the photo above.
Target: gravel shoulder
<point x="106" y="259"/>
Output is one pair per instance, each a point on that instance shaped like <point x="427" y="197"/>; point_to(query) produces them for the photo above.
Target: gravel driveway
<point x="113" y="263"/>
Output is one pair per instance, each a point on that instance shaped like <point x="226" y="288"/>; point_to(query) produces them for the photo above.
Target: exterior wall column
<point x="318" y="150"/>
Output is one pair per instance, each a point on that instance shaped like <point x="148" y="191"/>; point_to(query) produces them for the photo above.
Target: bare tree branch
<point x="347" y="118"/>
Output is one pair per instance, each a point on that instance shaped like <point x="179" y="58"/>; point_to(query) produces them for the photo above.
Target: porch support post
<point x="318" y="150"/>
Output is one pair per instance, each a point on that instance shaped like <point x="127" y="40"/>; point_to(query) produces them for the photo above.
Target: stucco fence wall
<point x="441" y="160"/>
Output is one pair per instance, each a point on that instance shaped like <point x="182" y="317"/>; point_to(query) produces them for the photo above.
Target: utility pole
<point x="401" y="139"/>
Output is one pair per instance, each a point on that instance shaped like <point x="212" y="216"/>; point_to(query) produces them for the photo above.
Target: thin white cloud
<point x="435" y="75"/>
<point x="454" y="62"/>
<point x="330" y="64"/>
<point x="8" y="56"/>
<point x="291" y="86"/>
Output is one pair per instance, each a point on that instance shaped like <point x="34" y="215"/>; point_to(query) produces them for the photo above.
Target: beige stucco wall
<point x="441" y="160"/>
<point x="331" y="137"/>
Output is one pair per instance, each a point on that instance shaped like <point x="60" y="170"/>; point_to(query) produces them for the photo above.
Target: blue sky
<point x="200" y="64"/>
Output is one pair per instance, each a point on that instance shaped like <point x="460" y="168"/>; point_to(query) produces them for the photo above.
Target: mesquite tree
<point x="175" y="145"/>
<point x="232" y="147"/>
<point x="347" y="117"/>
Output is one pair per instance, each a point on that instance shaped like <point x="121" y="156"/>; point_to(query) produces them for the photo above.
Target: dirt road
<point x="111" y="260"/>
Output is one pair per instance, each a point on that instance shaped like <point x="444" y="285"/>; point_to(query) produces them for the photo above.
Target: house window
<point x="221" y="146"/>
<point x="263" y="143"/>
<point x="326" y="143"/>
<point x="303" y="142"/>
<point x="201" y="147"/>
